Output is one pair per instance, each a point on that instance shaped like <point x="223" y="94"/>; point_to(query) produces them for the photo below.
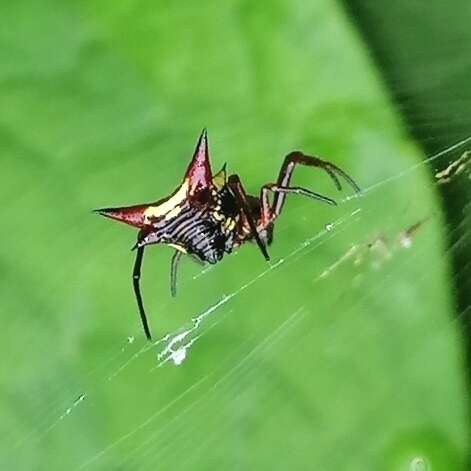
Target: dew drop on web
<point x="178" y="356"/>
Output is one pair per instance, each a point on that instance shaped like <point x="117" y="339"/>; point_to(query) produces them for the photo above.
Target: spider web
<point x="345" y="353"/>
<point x="167" y="435"/>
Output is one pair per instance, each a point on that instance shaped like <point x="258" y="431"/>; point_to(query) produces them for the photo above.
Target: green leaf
<point x="428" y="77"/>
<point x="341" y="355"/>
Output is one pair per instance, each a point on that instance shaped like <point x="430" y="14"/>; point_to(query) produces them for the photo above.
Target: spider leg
<point x="136" y="277"/>
<point x="298" y="158"/>
<point x="267" y="210"/>
<point x="173" y="272"/>
<point x="174" y="268"/>
<point x="235" y="185"/>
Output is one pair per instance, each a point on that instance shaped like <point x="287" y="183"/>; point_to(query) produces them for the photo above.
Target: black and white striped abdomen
<point x="193" y="230"/>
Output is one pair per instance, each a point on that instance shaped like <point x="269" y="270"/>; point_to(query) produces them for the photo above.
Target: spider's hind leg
<point x="175" y="263"/>
<point x="173" y="272"/>
<point x="136" y="278"/>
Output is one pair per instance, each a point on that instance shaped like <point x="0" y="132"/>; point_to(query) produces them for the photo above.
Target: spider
<point x="210" y="215"/>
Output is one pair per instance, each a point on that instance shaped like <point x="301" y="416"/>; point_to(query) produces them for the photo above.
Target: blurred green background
<point x="346" y="356"/>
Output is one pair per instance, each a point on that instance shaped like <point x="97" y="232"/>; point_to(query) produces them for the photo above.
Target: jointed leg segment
<point x="282" y="187"/>
<point x="173" y="272"/>
<point x="136" y="276"/>
<point x="241" y="197"/>
<point x="267" y="208"/>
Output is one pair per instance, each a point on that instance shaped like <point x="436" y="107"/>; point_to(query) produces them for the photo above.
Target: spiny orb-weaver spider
<point x="210" y="215"/>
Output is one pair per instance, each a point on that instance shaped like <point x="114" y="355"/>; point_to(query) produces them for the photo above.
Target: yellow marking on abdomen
<point x="169" y="208"/>
<point x="229" y="224"/>
<point x="173" y="213"/>
<point x="218" y="216"/>
<point x="178" y="247"/>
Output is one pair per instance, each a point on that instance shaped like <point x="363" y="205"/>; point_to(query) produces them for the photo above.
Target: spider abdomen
<point x="195" y="231"/>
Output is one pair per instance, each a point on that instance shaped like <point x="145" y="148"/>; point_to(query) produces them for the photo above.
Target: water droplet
<point x="405" y="240"/>
<point x="178" y="357"/>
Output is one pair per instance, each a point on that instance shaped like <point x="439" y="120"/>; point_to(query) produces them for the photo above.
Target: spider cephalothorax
<point x="210" y="215"/>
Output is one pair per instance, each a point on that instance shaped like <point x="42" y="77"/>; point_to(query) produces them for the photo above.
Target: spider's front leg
<point x="286" y="172"/>
<point x="269" y="211"/>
